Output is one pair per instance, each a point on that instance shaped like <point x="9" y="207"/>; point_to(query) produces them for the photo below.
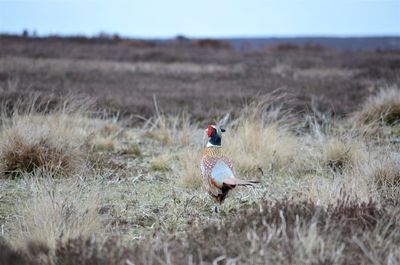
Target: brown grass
<point x="185" y="77"/>
<point x="382" y="108"/>
<point x="284" y="232"/>
<point x="387" y="173"/>
<point x="261" y="138"/>
<point x="27" y="147"/>
<point x="339" y="154"/>
<point x="56" y="211"/>
<point x="161" y="163"/>
<point x="170" y="130"/>
<point x="40" y="133"/>
<point x="189" y="171"/>
<point x="106" y="67"/>
<point x="384" y="174"/>
<point x="255" y="146"/>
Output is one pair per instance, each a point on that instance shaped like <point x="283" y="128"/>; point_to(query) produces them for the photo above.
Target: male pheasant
<point x="217" y="169"/>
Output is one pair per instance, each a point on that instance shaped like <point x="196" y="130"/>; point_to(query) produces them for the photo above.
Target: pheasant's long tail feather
<point x="239" y="182"/>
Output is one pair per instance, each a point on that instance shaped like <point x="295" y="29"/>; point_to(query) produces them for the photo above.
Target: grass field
<point x="99" y="156"/>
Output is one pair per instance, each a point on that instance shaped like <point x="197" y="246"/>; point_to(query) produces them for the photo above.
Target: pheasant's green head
<point x="214" y="132"/>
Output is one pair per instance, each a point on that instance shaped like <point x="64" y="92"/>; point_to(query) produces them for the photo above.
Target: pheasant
<point x="217" y="169"/>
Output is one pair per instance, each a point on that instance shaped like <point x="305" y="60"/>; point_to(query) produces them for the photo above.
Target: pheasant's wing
<point x="206" y="167"/>
<point x="221" y="171"/>
<point x="229" y="163"/>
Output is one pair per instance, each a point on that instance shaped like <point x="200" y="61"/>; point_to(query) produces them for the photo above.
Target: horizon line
<point x="33" y="33"/>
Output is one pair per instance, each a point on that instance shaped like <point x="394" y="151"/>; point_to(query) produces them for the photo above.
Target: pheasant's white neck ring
<point x="212" y="145"/>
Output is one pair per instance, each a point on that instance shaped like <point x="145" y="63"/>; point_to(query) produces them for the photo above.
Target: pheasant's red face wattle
<point x="210" y="130"/>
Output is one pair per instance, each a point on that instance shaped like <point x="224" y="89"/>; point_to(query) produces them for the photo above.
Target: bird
<point x="217" y="168"/>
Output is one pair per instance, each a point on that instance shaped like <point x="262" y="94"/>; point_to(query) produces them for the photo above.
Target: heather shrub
<point x="283" y="232"/>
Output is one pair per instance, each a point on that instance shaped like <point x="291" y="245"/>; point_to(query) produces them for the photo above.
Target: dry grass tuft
<point x="189" y="172"/>
<point x="171" y="130"/>
<point x="28" y="146"/>
<point x="103" y="144"/>
<point x="105" y="140"/>
<point x="384" y="175"/>
<point x="349" y="184"/>
<point x="387" y="173"/>
<point x="45" y="104"/>
<point x="261" y="138"/>
<point x="255" y="146"/>
<point x="339" y="154"/>
<point x="161" y="163"/>
<point x="132" y="150"/>
<point x="382" y="108"/>
<point x="56" y="211"/>
<point x="52" y="135"/>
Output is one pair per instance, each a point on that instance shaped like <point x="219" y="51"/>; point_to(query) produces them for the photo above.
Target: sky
<point x="203" y="18"/>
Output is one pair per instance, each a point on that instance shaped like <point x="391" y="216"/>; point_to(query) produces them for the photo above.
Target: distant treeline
<point x="390" y="43"/>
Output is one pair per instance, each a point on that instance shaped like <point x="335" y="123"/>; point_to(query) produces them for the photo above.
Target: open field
<point x="100" y="146"/>
<point x="206" y="82"/>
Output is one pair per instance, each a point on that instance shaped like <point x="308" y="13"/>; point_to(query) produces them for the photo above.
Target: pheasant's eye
<point x="210" y="130"/>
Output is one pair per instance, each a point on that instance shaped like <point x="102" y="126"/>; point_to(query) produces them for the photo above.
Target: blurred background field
<point x="204" y="81"/>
